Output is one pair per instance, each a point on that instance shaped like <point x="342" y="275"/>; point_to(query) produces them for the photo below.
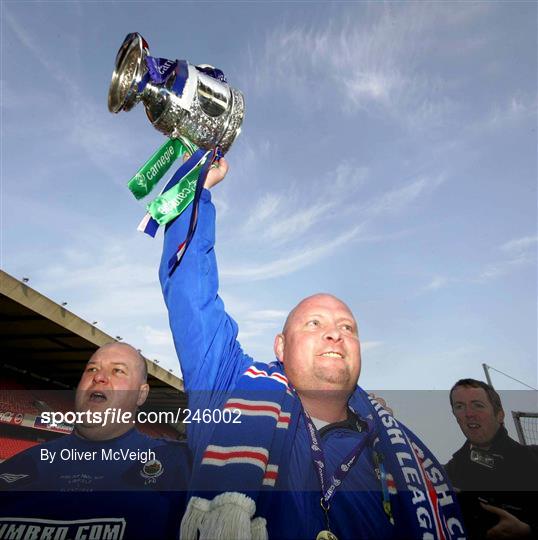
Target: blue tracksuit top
<point x="211" y="358"/>
<point x="95" y="498"/>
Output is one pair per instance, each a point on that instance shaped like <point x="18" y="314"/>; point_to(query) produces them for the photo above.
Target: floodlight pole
<point x="516" y="415"/>
<point x="488" y="378"/>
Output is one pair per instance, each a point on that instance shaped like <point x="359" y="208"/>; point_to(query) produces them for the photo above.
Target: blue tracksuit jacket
<point x="211" y="360"/>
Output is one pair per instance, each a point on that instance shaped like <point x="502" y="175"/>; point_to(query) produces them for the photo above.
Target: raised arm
<point x="205" y="336"/>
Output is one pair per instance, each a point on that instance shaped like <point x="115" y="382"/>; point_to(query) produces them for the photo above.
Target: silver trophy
<point x="189" y="104"/>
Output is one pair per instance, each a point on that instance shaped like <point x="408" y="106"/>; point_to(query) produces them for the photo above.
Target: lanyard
<point x="328" y="486"/>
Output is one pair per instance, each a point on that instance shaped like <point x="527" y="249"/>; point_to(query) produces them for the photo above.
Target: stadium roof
<point x="44" y="340"/>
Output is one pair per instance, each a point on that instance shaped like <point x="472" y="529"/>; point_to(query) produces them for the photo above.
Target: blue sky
<point x="388" y="156"/>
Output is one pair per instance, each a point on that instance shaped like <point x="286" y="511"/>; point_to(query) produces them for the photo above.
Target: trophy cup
<point x="181" y="100"/>
<point x="194" y="107"/>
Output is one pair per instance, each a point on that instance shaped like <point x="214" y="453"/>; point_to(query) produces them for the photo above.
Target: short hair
<point x="492" y="394"/>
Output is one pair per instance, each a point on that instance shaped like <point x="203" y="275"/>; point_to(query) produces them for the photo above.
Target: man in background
<point x="497" y="476"/>
<point x="103" y="480"/>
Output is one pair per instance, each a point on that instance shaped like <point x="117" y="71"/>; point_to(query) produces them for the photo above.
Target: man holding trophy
<point x="309" y="454"/>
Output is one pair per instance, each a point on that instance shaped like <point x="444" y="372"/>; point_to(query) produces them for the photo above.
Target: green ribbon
<point x="157" y="165"/>
<point x="172" y="202"/>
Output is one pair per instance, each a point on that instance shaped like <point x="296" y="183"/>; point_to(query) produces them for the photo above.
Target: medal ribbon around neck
<point x="318" y="457"/>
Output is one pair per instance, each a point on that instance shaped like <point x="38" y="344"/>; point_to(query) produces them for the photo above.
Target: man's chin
<point x="334" y="379"/>
<point x="330" y="389"/>
<point x="477" y="440"/>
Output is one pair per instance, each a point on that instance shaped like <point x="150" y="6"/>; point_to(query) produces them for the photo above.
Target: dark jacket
<point x="506" y="476"/>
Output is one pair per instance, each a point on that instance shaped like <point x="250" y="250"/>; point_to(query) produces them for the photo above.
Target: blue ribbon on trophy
<point x="194" y="107"/>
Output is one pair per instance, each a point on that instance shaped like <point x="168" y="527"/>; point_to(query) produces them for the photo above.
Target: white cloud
<point x="501" y="268"/>
<point x="250" y="330"/>
<point x="265" y="208"/>
<point x="260" y="322"/>
<point x="519" y="251"/>
<point x="519" y="245"/>
<point x="347" y="178"/>
<point x="291" y="262"/>
<point x="437" y="283"/>
<point x="297" y="227"/>
<point x="513" y="110"/>
<point x="14" y="97"/>
<point x="105" y="279"/>
<point x="222" y="207"/>
<point x="81" y="121"/>
<point x="395" y="200"/>
<point x="281" y="219"/>
<point x="297" y="223"/>
<point x="269" y="314"/>
<point x="369" y="345"/>
<point x="354" y="61"/>
<point x="39" y="53"/>
<point x="154" y="336"/>
<point x="370" y="86"/>
<point x="368" y="59"/>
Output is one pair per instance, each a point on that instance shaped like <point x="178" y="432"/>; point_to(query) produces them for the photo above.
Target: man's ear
<point x="143" y="392"/>
<point x="500" y="417"/>
<point x="279" y="347"/>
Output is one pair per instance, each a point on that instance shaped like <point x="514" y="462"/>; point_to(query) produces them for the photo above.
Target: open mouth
<point x="473" y="426"/>
<point x="332" y="354"/>
<point x="97" y="397"/>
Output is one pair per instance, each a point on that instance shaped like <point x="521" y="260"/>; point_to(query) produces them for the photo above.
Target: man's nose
<point x="100" y="377"/>
<point x="333" y="333"/>
<point x="468" y="411"/>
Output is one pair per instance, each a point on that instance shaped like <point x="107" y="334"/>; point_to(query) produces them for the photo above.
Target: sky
<point x="388" y="156"/>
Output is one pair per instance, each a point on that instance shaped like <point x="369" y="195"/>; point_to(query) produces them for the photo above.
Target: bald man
<point x="114" y="377"/>
<point x="307" y="454"/>
<point x="104" y="479"/>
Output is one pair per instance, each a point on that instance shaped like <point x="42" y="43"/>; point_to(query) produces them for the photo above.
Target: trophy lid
<point x="128" y="71"/>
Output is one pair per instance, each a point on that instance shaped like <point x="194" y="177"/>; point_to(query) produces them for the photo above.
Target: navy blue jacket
<point x="98" y="497"/>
